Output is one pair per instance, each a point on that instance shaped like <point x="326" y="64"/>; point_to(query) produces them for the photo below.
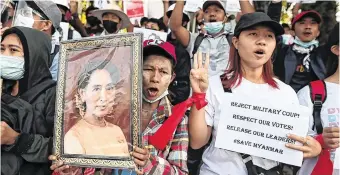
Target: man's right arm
<point x="181" y="33"/>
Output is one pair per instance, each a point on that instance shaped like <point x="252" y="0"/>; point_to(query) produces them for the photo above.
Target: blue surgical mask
<point x="298" y="42"/>
<point x="12" y="67"/>
<point x="213" y="27"/>
<point x="227" y="27"/>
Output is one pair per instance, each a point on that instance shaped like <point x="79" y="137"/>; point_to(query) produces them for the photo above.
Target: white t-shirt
<point x="220" y="161"/>
<point x="329" y="114"/>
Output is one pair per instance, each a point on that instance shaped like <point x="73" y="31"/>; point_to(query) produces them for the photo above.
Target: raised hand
<point x="73" y="7"/>
<point x="199" y="73"/>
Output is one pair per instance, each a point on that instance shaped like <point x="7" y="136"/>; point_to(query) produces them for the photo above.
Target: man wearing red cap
<point x="165" y="131"/>
<point x="301" y="62"/>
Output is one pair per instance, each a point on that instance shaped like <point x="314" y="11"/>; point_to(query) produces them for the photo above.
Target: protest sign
<point x="258" y="127"/>
<point x="193" y="5"/>
<point x="233" y="6"/>
<point x="100" y="3"/>
<point x="149" y="34"/>
<point x="134" y="8"/>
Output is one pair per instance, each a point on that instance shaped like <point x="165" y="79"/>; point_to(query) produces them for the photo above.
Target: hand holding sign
<point x="199" y="73"/>
<point x="331" y="137"/>
<point x="310" y="148"/>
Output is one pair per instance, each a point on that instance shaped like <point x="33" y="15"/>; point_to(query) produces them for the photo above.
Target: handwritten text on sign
<point x="259" y="128"/>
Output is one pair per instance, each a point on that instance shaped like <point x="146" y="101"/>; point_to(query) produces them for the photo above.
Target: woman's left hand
<point x="141" y="157"/>
<point x="310" y="148"/>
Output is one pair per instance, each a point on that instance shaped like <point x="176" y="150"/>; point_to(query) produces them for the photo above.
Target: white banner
<point x="100" y="3"/>
<point x="193" y="5"/>
<point x="259" y="128"/>
<point x="149" y="34"/>
<point x="233" y="6"/>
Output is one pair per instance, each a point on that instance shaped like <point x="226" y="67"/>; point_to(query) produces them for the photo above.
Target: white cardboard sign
<point x="149" y="34"/>
<point x="259" y="128"/>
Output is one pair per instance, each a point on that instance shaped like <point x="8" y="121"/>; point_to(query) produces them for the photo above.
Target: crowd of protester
<point x="250" y="55"/>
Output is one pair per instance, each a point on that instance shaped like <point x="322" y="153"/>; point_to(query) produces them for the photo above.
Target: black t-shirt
<point x="302" y="75"/>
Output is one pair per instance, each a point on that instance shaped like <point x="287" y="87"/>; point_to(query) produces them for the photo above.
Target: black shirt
<point x="302" y="75"/>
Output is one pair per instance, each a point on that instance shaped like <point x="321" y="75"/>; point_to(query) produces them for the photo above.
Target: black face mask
<point x="92" y="21"/>
<point x="110" y="26"/>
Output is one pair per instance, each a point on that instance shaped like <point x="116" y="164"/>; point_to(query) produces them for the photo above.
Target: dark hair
<point x="89" y="9"/>
<point x="92" y="66"/>
<point x="233" y="75"/>
<point x="160" y="24"/>
<point x="144" y="19"/>
<point x="284" y="25"/>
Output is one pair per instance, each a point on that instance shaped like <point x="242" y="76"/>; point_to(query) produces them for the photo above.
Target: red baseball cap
<point x="310" y="13"/>
<point x="151" y="47"/>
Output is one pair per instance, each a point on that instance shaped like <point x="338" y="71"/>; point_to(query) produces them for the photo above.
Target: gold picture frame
<point x="124" y="51"/>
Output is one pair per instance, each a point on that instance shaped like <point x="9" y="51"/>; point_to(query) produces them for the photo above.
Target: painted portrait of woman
<point x="92" y="126"/>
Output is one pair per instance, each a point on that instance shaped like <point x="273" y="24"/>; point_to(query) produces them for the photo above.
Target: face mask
<point x="110" y="26"/>
<point x="93" y="21"/>
<point x="165" y="93"/>
<point x="227" y="27"/>
<point x="12" y="68"/>
<point x="298" y="42"/>
<point x="213" y="27"/>
<point x="23" y="21"/>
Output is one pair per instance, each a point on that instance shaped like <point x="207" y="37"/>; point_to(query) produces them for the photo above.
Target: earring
<point x="80" y="105"/>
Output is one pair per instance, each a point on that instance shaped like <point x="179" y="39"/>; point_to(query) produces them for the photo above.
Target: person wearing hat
<point x="165" y="131"/>
<point x="249" y="75"/>
<point x="329" y="139"/>
<point x="302" y="61"/>
<point x="168" y="12"/>
<point x="216" y="38"/>
<point x="113" y="19"/>
<point x="45" y="17"/>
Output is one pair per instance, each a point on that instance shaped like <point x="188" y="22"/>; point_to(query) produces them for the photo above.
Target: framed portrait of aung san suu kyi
<point x="99" y="101"/>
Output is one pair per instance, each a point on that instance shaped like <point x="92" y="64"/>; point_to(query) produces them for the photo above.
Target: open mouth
<point x="259" y="52"/>
<point x="152" y="92"/>
<point x="307" y="33"/>
<point x="212" y="20"/>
